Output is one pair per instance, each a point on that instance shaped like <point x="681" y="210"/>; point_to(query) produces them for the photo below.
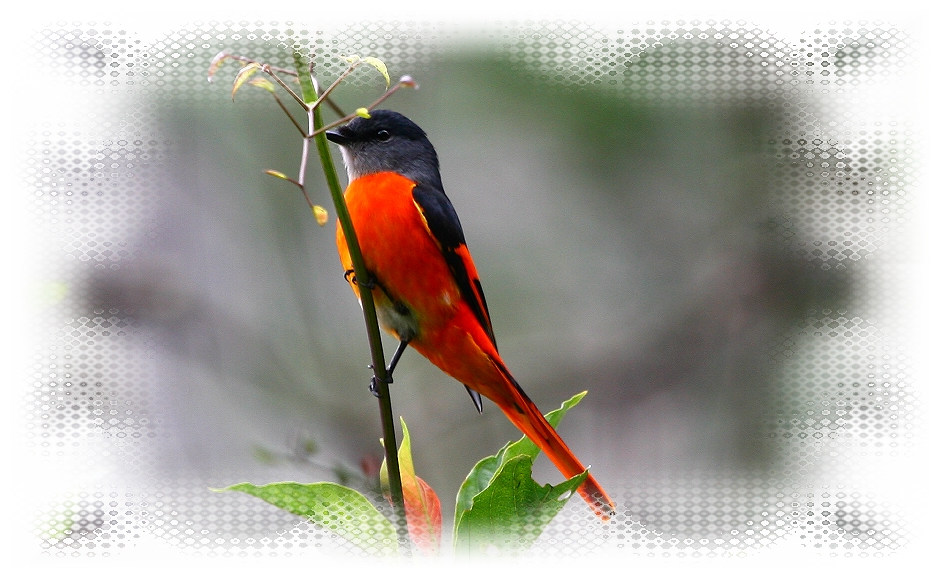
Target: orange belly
<point x="399" y="251"/>
<point x="406" y="262"/>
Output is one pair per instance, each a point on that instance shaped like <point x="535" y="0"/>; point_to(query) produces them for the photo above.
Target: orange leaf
<point x="423" y="513"/>
<point x="422" y="506"/>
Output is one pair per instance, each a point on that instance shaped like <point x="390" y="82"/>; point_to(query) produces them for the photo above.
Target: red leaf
<point x="422" y="506"/>
<point x="423" y="513"/>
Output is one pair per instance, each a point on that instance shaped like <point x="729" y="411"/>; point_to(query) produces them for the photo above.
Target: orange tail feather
<point x="524" y="414"/>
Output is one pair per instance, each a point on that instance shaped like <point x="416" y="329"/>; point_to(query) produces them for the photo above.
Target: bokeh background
<point x="703" y="224"/>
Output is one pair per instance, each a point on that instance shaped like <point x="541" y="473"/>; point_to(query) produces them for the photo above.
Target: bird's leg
<point x="374" y="385"/>
<point x="395" y="357"/>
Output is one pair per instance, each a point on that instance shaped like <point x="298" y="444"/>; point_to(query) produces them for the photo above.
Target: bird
<point x="425" y="285"/>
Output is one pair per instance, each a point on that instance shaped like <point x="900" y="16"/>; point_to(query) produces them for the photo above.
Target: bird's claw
<point x="374" y="382"/>
<point x="350" y="276"/>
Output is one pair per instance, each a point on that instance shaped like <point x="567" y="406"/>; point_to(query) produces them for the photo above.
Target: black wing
<point x="444" y="226"/>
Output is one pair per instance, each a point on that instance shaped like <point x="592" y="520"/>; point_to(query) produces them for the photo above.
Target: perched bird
<point x="425" y="285"/>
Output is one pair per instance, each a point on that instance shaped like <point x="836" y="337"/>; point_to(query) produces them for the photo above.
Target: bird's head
<point x="386" y="141"/>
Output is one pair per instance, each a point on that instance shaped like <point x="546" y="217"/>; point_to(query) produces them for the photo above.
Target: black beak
<point x="337" y="137"/>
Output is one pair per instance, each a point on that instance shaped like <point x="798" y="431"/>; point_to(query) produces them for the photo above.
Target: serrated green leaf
<point x="342" y="510"/>
<point x="482" y="473"/>
<point x="476" y="481"/>
<point x="243" y="75"/>
<point x="512" y="511"/>
<point x="554" y="417"/>
<point x="380" y="66"/>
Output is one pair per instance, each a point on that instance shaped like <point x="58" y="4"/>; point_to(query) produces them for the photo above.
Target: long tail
<point x="524" y="414"/>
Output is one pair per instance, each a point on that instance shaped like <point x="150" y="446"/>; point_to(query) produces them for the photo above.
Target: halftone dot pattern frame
<point x="842" y="178"/>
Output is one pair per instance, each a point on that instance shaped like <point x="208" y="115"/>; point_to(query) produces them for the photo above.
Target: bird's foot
<point x="374" y="382"/>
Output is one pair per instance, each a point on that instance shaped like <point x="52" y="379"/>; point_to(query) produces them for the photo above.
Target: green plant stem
<point x="368" y="305"/>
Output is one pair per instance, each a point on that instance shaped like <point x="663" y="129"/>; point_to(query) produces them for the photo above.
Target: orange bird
<point x="425" y="286"/>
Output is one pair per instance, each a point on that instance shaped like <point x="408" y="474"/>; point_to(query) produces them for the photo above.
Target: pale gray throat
<point x="349" y="162"/>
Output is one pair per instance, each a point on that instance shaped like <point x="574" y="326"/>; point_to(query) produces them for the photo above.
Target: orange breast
<point x="399" y="250"/>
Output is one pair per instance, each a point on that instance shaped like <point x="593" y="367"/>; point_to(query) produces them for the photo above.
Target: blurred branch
<point x="316" y="131"/>
<point x="310" y="100"/>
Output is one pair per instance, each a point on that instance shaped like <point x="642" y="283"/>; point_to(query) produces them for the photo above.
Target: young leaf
<point x="216" y="63"/>
<point x="512" y="511"/>
<point x="408" y="81"/>
<point x="243" y="75"/>
<point x="263" y="83"/>
<point x="482" y="473"/>
<point x="380" y="66"/>
<point x="422" y="506"/>
<point x="320" y="214"/>
<point x="277" y="174"/>
<point x="372" y="61"/>
<point x="342" y="510"/>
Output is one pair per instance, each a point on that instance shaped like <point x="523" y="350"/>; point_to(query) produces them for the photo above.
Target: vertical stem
<point x="365" y="294"/>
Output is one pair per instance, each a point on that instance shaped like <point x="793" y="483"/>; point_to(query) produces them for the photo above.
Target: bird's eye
<point x="383" y="135"/>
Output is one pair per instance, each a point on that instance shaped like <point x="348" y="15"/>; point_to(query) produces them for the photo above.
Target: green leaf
<point x="243" y="75"/>
<point x="263" y="83"/>
<point x="482" y="473"/>
<point x="342" y="510"/>
<point x="512" y="511"/>
<point x="380" y="66"/>
<point x="277" y="174"/>
<point x="500" y="506"/>
<point x="372" y="61"/>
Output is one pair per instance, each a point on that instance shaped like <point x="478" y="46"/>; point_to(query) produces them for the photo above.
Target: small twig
<point x="269" y="70"/>
<point x="311" y="102"/>
<point x="352" y="66"/>
<point x="405" y="81"/>
<point x="289" y="115"/>
<point x="326" y="98"/>
<point x="368" y="310"/>
<point x="223" y="55"/>
<point x="336" y="109"/>
<point x="305" y="154"/>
